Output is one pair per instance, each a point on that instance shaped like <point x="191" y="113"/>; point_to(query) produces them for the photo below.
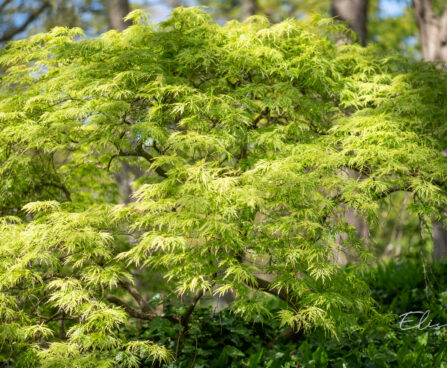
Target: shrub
<point x="254" y="140"/>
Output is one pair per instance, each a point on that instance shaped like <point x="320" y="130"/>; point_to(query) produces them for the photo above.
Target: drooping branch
<point x="145" y="313"/>
<point x="136" y="295"/>
<point x="133" y="312"/>
<point x="61" y="187"/>
<point x="140" y="152"/>
<point x="266" y="286"/>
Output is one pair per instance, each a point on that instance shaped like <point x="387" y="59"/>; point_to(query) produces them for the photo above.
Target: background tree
<point x="117" y="11"/>
<point x="19" y="18"/>
<point x="432" y="23"/>
<point x="354" y="12"/>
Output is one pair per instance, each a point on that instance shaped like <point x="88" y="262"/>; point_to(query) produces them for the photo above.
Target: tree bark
<point x="440" y="235"/>
<point x="116" y="11"/>
<point x="439" y="242"/>
<point x="249" y="8"/>
<point x="353" y="12"/>
<point x="432" y="31"/>
<point x="433" y="38"/>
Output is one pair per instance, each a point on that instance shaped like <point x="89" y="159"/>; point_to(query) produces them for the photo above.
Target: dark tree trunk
<point x="353" y="12"/>
<point x="116" y="11"/>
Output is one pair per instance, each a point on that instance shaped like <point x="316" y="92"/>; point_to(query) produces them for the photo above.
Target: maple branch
<point x="185" y="317"/>
<point x="136" y="295"/>
<point x="137" y="313"/>
<point x="266" y="286"/>
<point x="131" y="310"/>
<point x="61" y="187"/>
<point x="140" y="152"/>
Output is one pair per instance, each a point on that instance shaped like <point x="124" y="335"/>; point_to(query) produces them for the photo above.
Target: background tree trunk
<point x="354" y="12"/>
<point x="439" y="241"/>
<point x="249" y="8"/>
<point x="116" y="11"/>
<point x="433" y="38"/>
<point x="432" y="31"/>
<point x="440" y="235"/>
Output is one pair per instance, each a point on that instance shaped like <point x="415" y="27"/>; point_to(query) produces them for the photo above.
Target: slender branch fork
<point x="145" y="312"/>
<point x="138" y="152"/>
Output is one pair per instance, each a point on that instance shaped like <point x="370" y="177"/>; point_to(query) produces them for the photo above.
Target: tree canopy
<point x="255" y="140"/>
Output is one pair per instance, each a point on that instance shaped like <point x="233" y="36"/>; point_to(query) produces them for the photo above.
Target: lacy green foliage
<point x="225" y="340"/>
<point x="255" y="140"/>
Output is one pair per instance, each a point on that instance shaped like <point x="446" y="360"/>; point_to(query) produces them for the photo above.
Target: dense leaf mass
<point x="254" y="139"/>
